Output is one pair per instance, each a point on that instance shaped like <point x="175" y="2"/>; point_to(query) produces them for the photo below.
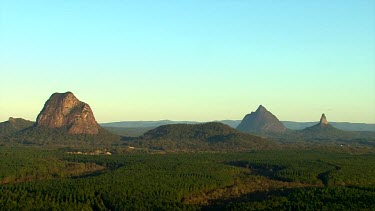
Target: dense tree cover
<point x="253" y="180"/>
<point x="26" y="164"/>
<point x="328" y="136"/>
<point x="331" y="198"/>
<point x="60" y="138"/>
<point x="352" y="171"/>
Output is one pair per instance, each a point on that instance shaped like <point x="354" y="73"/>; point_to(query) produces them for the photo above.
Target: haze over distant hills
<point x="347" y="126"/>
<point x="66" y="121"/>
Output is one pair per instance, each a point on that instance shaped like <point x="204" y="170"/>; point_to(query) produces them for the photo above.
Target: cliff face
<point x="261" y="121"/>
<point x="64" y="110"/>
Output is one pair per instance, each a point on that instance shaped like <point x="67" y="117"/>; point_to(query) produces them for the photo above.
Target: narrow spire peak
<point x="323" y="119"/>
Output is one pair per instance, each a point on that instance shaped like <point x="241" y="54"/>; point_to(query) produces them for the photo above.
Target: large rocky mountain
<point x="64" y="110"/>
<point x="200" y="137"/>
<point x="261" y="121"/>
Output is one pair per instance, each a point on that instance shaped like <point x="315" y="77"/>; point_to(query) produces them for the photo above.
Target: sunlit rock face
<point x="64" y="110"/>
<point x="323" y="120"/>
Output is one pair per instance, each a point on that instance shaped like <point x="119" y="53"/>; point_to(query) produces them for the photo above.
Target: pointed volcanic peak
<point x="64" y="110"/>
<point x="323" y="120"/>
<point x="261" y="121"/>
<point x="322" y="126"/>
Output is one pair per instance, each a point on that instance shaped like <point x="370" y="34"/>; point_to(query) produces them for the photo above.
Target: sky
<point x="190" y="60"/>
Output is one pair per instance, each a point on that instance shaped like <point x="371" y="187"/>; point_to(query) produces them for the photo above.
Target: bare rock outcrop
<point x="323" y="120"/>
<point x="64" y="110"/>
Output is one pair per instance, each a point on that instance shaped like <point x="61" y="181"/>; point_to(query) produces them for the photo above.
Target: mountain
<point x="324" y="132"/>
<point x="14" y="125"/>
<point x="347" y="126"/>
<point x="213" y="136"/>
<point x="64" y="110"/>
<point x="63" y="122"/>
<point x="138" y="128"/>
<point x="322" y="128"/>
<point x="261" y="121"/>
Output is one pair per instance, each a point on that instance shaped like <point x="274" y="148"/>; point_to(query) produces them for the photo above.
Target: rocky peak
<point x="323" y="120"/>
<point x="322" y="129"/>
<point x="64" y="110"/>
<point x="12" y="120"/>
<point x="261" y="109"/>
<point x="261" y="121"/>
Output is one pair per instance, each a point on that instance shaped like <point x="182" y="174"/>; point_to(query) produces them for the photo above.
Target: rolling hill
<point x="212" y="136"/>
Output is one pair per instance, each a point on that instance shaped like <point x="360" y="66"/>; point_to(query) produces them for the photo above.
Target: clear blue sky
<point x="190" y="60"/>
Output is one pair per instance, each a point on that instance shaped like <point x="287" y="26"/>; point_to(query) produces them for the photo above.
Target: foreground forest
<point x="33" y="178"/>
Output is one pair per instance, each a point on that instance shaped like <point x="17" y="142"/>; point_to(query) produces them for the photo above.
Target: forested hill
<point x="200" y="137"/>
<point x="14" y="125"/>
<point x="58" y="137"/>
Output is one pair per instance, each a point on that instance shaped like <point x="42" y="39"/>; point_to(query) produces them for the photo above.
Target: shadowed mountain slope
<point x="261" y="121"/>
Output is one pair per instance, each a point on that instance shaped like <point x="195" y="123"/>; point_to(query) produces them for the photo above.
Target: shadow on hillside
<point x="268" y="171"/>
<point x="220" y="204"/>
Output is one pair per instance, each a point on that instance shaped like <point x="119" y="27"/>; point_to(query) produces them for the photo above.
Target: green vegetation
<point x="14" y="125"/>
<point x="212" y="136"/>
<point x="237" y="181"/>
<point x="25" y="164"/>
<point x="329" y="136"/>
<point x="60" y="138"/>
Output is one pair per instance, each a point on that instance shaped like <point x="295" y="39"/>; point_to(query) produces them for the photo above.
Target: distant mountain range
<point x="347" y="126"/>
<point x="67" y="122"/>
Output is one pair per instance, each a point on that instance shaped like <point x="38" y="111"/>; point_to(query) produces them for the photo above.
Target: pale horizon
<point x="197" y="120"/>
